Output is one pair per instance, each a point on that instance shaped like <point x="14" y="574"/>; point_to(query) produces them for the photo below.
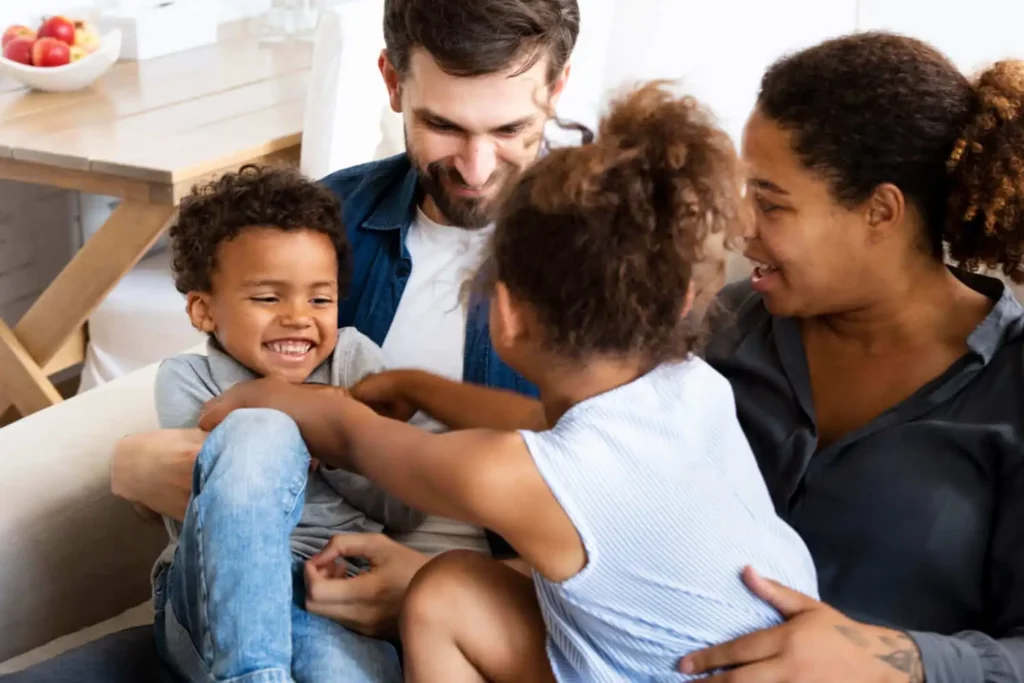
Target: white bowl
<point x="74" y="76"/>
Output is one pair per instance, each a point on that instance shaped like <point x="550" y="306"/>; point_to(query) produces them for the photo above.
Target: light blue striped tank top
<point x="665" y="493"/>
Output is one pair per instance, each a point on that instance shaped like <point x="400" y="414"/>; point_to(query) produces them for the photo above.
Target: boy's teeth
<point x="292" y="348"/>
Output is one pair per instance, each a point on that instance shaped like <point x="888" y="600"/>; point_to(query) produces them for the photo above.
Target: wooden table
<point x="146" y="132"/>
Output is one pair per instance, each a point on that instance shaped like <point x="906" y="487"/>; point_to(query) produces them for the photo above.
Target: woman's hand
<point x="384" y="392"/>
<point x="368" y="603"/>
<point x="816" y="644"/>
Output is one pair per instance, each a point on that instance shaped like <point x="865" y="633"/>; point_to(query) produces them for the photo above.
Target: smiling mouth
<point x="292" y="348"/>
<point x="467" y="191"/>
<point x="763" y="270"/>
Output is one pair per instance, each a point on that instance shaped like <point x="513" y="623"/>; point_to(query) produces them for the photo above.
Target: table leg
<point x="28" y="386"/>
<point x="63" y="308"/>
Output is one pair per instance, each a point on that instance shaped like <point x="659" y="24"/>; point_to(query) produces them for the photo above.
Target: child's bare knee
<point x="432" y="598"/>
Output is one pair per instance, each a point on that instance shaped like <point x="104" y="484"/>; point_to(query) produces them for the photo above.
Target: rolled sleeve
<point x="970" y="657"/>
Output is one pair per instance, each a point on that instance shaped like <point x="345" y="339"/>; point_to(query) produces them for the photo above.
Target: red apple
<point x="50" y="52"/>
<point x="60" y="28"/>
<point x="19" y="50"/>
<point x="16" y="31"/>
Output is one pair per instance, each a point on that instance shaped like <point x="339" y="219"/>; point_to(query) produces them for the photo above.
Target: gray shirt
<point x="916" y="520"/>
<point x="337" y="501"/>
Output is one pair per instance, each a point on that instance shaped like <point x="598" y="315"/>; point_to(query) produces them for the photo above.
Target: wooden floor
<point x="67" y="389"/>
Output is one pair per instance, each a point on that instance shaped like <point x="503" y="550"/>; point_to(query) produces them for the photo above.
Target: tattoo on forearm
<point x="899" y="652"/>
<point x="853" y="635"/>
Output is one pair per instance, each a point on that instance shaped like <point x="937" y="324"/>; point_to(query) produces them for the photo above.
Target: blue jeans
<point x="230" y="606"/>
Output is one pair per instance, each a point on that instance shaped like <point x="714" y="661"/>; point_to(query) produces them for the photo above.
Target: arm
<point x="357" y="357"/>
<point x="153" y="470"/>
<point x="434" y="472"/>
<point x="481" y="477"/>
<point x="819" y="643"/>
<point x="458" y="405"/>
<point x="973" y="656"/>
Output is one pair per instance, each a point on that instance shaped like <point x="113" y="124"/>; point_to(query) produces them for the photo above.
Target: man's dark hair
<point x="477" y="37"/>
<point x="255" y="196"/>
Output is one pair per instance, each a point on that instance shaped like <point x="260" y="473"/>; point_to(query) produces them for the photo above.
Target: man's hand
<point x="370" y="602"/>
<point x="154" y="469"/>
<point x="816" y="644"/>
<point x="384" y="393"/>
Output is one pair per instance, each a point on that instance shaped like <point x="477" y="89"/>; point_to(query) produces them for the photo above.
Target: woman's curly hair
<point x="874" y="108"/>
<point x="985" y="225"/>
<point x="255" y="196"/>
<point x="602" y="240"/>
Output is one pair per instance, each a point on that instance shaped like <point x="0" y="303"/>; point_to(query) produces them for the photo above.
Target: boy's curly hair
<point x="254" y="196"/>
<point x="602" y="240"/>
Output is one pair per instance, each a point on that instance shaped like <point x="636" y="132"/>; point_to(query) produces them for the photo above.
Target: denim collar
<point x="397" y="208"/>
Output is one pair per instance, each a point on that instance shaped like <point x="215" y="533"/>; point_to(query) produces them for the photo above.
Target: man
<point x="475" y="83"/>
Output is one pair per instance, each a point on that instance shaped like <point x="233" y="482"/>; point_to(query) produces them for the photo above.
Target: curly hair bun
<point x="622" y="223"/>
<point x="986" y="204"/>
<point x="681" y="168"/>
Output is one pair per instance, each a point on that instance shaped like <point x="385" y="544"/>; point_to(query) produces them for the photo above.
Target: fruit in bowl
<point x="19" y="49"/>
<point x="86" y="37"/>
<point x="61" y="28"/>
<point x="58" y="41"/>
<point x="16" y="31"/>
<point x="50" y="52"/>
<point x="64" y="54"/>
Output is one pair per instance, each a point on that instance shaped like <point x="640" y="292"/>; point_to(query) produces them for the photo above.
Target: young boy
<point x="261" y="256"/>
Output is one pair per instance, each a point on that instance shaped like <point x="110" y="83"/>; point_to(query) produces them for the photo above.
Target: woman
<point x="883" y="393"/>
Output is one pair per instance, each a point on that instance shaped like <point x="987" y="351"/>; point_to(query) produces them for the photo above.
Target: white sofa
<point x="72" y="555"/>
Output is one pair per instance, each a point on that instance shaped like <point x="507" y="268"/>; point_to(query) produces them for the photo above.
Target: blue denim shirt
<point x="379" y="201"/>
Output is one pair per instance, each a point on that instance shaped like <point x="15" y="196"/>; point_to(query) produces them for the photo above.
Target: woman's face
<point x="808" y="250"/>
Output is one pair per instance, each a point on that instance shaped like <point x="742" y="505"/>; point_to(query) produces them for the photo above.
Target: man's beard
<point x="471" y="213"/>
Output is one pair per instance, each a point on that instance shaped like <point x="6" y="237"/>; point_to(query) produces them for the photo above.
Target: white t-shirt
<point x="429" y="328"/>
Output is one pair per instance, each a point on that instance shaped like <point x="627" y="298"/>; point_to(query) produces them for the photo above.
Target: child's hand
<point x="266" y="392"/>
<point x="368" y="603"/>
<point x="384" y="393"/>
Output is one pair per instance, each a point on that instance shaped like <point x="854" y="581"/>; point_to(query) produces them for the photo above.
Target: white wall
<point x="972" y="32"/>
<point x="720" y="48"/>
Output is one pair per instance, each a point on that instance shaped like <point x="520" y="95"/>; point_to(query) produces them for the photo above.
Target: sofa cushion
<point x="72" y="555"/>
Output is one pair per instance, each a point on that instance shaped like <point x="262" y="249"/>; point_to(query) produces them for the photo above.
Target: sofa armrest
<point x="72" y="554"/>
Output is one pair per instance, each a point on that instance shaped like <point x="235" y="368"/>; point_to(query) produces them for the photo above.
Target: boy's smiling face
<point x="273" y="304"/>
